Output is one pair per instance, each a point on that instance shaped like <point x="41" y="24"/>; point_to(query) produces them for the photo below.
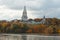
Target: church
<point x="24" y="18"/>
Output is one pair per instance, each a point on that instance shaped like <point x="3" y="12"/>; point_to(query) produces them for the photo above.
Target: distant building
<point x="25" y="18"/>
<point x="43" y="21"/>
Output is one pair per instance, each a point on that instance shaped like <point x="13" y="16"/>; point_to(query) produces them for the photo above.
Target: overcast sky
<point x="12" y="9"/>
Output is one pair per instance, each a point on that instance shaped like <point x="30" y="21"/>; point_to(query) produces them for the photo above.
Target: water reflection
<point x="28" y="37"/>
<point x="24" y="37"/>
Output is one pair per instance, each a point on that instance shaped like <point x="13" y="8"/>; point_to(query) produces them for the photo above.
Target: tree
<point x="54" y="31"/>
<point x="37" y="19"/>
<point x="48" y="31"/>
<point x="15" y="28"/>
<point x="29" y="31"/>
<point x="24" y="28"/>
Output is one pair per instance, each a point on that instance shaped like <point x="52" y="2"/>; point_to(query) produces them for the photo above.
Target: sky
<point x="13" y="9"/>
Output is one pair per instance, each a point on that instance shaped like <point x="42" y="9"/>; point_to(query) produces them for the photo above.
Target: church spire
<point x="44" y="17"/>
<point x="24" y="15"/>
<point x="44" y="20"/>
<point x="24" y="8"/>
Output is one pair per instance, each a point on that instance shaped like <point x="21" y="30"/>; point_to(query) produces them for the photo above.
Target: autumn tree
<point x="15" y="28"/>
<point x="24" y="28"/>
<point x="29" y="30"/>
<point x="37" y="19"/>
<point x="48" y="31"/>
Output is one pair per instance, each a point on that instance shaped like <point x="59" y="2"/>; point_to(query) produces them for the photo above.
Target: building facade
<point x="25" y="18"/>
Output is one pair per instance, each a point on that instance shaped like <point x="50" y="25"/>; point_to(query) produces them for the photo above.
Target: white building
<point x="25" y="18"/>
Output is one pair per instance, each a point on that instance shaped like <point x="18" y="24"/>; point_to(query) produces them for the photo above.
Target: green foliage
<point x="15" y="28"/>
<point x="25" y="28"/>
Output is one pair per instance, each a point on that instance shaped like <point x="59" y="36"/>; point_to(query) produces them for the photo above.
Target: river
<point x="27" y="37"/>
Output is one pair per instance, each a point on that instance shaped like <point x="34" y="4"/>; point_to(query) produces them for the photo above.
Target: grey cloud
<point x="41" y="7"/>
<point x="31" y="4"/>
<point x="51" y="12"/>
<point x="18" y="4"/>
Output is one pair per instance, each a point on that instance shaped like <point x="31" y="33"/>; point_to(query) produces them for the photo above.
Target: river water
<point x="27" y="37"/>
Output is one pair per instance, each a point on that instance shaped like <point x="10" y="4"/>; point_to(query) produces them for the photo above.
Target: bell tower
<point x="24" y="15"/>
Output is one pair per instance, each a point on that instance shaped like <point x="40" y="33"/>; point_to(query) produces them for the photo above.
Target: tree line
<point x="51" y="27"/>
